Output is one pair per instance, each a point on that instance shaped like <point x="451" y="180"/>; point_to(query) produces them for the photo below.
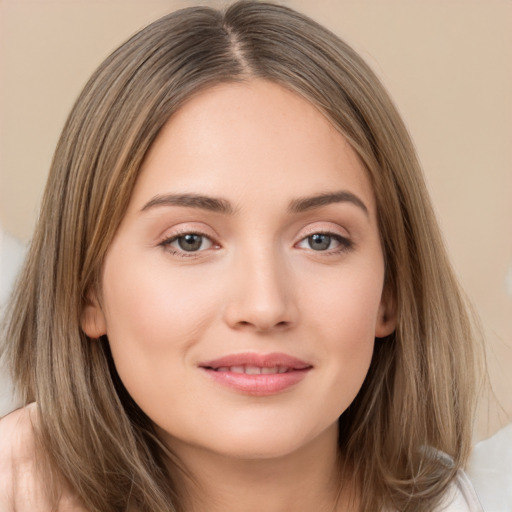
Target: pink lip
<point x="257" y="384"/>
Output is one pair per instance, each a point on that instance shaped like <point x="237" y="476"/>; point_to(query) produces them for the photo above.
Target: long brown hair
<point x="417" y="399"/>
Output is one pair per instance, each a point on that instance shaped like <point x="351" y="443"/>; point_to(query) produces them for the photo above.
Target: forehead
<point x="238" y="139"/>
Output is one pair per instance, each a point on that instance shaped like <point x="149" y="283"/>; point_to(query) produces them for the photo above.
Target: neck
<point x="304" y="481"/>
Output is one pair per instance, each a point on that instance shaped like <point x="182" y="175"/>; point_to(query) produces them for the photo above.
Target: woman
<point x="237" y="295"/>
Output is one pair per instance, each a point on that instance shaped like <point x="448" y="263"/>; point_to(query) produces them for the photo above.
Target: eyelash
<point x="345" y="244"/>
<point x="166" y="244"/>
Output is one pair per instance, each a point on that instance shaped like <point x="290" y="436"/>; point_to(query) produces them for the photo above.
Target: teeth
<point x="254" y="370"/>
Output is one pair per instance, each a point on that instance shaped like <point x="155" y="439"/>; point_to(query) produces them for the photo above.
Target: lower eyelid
<point x="344" y="243"/>
<point x="168" y="240"/>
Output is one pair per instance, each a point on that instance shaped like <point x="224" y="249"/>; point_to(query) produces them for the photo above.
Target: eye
<point x="325" y="242"/>
<point x="188" y="242"/>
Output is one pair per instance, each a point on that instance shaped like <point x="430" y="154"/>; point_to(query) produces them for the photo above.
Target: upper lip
<point x="257" y="360"/>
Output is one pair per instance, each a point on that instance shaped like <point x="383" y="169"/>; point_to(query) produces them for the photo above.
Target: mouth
<point x="254" y="370"/>
<point x="257" y="374"/>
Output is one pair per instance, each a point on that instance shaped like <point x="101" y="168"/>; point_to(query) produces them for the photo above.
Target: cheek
<point x="344" y="313"/>
<point x="155" y="305"/>
<point x="153" y="318"/>
<point x="346" y="306"/>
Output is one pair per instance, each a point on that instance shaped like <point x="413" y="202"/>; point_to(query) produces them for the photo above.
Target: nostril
<point x="261" y="326"/>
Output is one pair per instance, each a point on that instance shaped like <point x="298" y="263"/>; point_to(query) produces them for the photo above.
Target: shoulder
<point x="17" y="456"/>
<point x="460" y="496"/>
<point x="17" y="434"/>
<point x="21" y="487"/>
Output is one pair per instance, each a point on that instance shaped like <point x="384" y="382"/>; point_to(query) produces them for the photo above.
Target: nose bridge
<point x="260" y="290"/>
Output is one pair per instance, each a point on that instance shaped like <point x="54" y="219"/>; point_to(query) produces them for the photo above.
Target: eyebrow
<point x="212" y="204"/>
<point x="219" y="205"/>
<point x="311" y="203"/>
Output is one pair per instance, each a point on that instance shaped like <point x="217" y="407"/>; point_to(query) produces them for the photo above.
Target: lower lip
<point x="258" y="385"/>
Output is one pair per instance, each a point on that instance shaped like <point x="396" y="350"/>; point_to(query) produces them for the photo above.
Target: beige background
<point x="447" y="64"/>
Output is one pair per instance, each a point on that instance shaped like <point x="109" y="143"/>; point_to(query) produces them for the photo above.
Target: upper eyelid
<point x="311" y="226"/>
<point x="166" y="244"/>
<point x="328" y="230"/>
<point x="168" y="240"/>
<point x="344" y="240"/>
<point x="332" y="229"/>
<point x="176" y="231"/>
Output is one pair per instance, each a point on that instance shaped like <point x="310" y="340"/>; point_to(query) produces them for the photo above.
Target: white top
<point x="490" y="471"/>
<point x="460" y="497"/>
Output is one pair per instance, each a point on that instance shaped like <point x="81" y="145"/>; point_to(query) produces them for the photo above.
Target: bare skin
<point x="276" y="485"/>
<point x="23" y="487"/>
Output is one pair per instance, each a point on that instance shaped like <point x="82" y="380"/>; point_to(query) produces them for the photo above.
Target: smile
<point x="257" y="374"/>
<point x="254" y="370"/>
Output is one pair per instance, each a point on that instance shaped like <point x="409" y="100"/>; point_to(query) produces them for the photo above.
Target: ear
<point x="92" y="319"/>
<point x="386" y="318"/>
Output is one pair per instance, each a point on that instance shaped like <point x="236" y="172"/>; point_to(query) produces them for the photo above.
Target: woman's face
<point x="242" y="293"/>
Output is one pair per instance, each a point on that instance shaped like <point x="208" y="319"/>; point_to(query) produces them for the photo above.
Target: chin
<point x="261" y="448"/>
<point x="263" y="442"/>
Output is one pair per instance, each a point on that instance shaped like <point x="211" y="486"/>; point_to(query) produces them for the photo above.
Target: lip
<point x="257" y="384"/>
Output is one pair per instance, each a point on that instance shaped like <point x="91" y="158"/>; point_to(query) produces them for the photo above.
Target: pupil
<point x="190" y="242"/>
<point x="319" y="242"/>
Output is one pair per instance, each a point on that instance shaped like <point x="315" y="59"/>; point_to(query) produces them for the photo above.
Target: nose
<point x="261" y="295"/>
